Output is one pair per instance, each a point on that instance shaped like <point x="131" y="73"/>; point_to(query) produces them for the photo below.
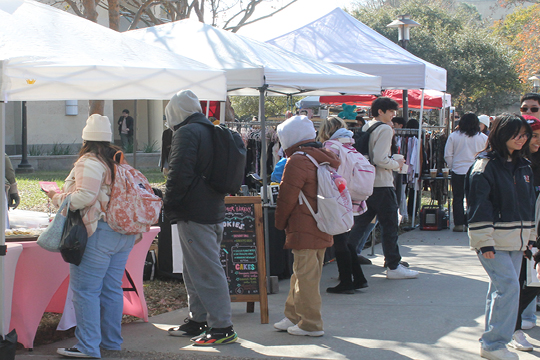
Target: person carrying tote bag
<point x="97" y="281"/>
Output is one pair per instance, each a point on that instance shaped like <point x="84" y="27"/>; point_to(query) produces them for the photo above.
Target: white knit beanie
<point x="294" y="130"/>
<point x="484" y="119"/>
<point x="183" y="104"/>
<point x="98" y="128"/>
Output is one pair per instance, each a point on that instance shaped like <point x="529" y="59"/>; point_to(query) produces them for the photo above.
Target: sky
<point x="295" y="16"/>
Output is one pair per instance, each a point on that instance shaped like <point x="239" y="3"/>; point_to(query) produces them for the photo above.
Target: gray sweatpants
<point x="204" y="277"/>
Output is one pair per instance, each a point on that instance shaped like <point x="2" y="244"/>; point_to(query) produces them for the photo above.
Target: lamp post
<point x="403" y="23"/>
<point x="536" y="82"/>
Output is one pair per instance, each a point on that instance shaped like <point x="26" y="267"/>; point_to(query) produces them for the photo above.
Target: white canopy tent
<point x="339" y="38"/>
<point x="48" y="54"/>
<point x="255" y="68"/>
<point x="250" y="64"/>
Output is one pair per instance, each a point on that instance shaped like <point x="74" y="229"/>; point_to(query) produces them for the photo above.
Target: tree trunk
<point x="229" y="111"/>
<point x="96" y="107"/>
<point x="114" y="14"/>
<point x="90" y="11"/>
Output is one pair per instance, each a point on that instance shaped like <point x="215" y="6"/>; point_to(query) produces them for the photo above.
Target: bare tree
<point x="232" y="14"/>
<point x="136" y="11"/>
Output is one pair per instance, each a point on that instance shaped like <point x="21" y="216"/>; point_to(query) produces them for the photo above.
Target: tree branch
<point x="74" y="7"/>
<point x="241" y="24"/>
<point x="138" y="14"/>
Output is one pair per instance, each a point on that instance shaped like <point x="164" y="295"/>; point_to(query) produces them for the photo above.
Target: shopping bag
<point x="532" y="278"/>
<point x="74" y="238"/>
<point x="51" y="237"/>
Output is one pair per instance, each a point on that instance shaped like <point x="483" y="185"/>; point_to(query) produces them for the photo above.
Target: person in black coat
<point x="198" y="212"/>
<point x="125" y="129"/>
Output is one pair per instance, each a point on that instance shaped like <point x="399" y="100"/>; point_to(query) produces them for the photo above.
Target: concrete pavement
<point x="437" y="316"/>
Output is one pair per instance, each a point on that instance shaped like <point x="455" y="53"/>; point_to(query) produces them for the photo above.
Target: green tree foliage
<point x="481" y="75"/>
<point x="245" y="107"/>
<point x="521" y="29"/>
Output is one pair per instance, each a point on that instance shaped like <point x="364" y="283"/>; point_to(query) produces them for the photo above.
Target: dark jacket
<point x="187" y="196"/>
<point x="500" y="204"/>
<point x="301" y="174"/>
<point x="166" y="139"/>
<point x="129" y="125"/>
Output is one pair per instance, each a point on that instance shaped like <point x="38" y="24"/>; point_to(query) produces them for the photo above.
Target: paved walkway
<point x="437" y="316"/>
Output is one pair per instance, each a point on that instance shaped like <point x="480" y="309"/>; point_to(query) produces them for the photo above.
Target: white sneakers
<point x="526" y="324"/>
<point x="401" y="272"/>
<point x="287" y="325"/>
<point x="519" y="342"/>
<point x="295" y="330"/>
<point x="501" y="354"/>
<point x="283" y="325"/>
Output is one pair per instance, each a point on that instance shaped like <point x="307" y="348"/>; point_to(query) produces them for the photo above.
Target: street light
<point x="536" y="82"/>
<point x="403" y="24"/>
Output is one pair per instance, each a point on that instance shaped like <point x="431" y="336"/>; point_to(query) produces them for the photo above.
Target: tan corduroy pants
<point x="303" y="305"/>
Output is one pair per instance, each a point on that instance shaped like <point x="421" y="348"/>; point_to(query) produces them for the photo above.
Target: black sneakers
<point x="341" y="288"/>
<point x="190" y="328"/>
<point x="73" y="353"/>
<point x="216" y="336"/>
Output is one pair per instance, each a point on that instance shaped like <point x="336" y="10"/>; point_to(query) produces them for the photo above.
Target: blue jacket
<point x="500" y="204"/>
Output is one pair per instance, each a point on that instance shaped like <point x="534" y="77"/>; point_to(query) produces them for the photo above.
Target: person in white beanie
<point x="484" y="124"/>
<point x="308" y="243"/>
<point x="198" y="212"/>
<point x="97" y="281"/>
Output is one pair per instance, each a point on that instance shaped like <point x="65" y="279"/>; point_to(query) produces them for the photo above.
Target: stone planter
<point x="65" y="162"/>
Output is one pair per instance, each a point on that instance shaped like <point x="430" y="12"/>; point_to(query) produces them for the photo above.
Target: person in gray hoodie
<point x="198" y="212"/>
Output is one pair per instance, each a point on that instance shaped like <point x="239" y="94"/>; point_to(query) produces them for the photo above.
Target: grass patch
<point x="61" y="149"/>
<point x="32" y="198"/>
<point x="36" y="150"/>
<point x="150" y="148"/>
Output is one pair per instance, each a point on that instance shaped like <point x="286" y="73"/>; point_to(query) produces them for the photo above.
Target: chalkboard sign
<point x="242" y="252"/>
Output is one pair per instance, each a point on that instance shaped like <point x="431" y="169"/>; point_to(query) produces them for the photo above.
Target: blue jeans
<point x="502" y="300"/>
<point x="98" y="297"/>
<point x="358" y="240"/>
<point x="529" y="313"/>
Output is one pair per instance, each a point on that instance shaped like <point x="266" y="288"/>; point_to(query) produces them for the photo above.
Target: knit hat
<point x="294" y="130"/>
<point x="532" y="121"/>
<point x="484" y="119"/>
<point x="183" y="104"/>
<point x="98" y="128"/>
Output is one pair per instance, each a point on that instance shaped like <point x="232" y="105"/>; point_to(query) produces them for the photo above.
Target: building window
<point x="72" y="107"/>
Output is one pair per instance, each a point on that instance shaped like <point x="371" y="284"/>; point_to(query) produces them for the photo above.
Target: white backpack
<point x="356" y="169"/>
<point x="335" y="214"/>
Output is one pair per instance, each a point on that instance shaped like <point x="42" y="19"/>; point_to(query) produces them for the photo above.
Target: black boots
<point x="348" y="267"/>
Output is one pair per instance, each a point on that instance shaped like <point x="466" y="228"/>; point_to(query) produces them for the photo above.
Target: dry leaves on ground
<point x="161" y="296"/>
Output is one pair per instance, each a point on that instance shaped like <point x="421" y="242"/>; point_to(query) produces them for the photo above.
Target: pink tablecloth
<point x="10" y="263"/>
<point x="42" y="279"/>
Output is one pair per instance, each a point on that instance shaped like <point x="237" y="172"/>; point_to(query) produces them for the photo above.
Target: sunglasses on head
<point x="524" y="109"/>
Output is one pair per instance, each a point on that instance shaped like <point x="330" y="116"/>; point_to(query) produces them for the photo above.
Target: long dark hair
<point x="505" y="127"/>
<point x="104" y="151"/>
<point x="469" y="124"/>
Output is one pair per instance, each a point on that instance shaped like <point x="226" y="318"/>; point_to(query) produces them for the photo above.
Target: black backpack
<point x="229" y="161"/>
<point x="361" y="139"/>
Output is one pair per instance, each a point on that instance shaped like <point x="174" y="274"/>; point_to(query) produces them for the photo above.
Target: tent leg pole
<point x="265" y="186"/>
<point x="418" y="159"/>
<point x="3" y="212"/>
<point x="135" y="135"/>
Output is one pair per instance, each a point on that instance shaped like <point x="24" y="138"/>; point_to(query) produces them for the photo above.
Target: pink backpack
<point x="133" y="207"/>
<point x="355" y="168"/>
